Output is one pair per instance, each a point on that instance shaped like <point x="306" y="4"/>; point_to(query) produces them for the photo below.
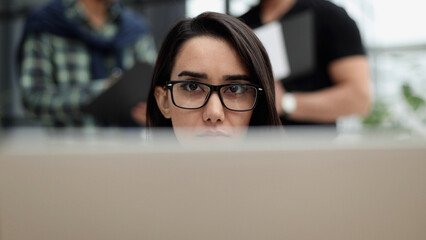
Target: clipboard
<point x="116" y="102"/>
<point x="299" y="32"/>
<point x="290" y="43"/>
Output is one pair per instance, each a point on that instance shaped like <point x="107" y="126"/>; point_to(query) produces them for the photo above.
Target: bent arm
<point x="350" y="94"/>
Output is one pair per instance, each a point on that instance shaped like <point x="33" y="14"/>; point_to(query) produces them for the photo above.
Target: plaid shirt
<point x="55" y="71"/>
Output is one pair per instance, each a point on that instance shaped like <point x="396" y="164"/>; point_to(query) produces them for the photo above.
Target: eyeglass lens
<point x="238" y="97"/>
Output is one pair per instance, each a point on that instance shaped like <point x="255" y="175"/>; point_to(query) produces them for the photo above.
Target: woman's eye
<point x="236" y="89"/>
<point x="191" y="87"/>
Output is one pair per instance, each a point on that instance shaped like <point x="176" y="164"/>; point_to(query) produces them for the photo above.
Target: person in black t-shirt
<point x="340" y="83"/>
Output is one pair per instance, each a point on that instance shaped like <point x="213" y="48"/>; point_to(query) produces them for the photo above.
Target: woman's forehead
<point x="210" y="56"/>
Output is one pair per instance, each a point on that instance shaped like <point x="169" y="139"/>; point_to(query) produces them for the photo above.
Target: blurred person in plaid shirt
<point x="68" y="52"/>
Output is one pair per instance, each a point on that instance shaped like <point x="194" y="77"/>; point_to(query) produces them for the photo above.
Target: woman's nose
<point x="214" y="110"/>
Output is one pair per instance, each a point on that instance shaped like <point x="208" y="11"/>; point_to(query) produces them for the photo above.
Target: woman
<point x="212" y="80"/>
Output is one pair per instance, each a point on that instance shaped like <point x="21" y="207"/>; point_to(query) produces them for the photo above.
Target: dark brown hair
<point x="248" y="47"/>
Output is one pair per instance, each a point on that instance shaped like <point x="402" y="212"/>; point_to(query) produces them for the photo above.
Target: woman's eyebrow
<point x="236" y="77"/>
<point x="193" y="74"/>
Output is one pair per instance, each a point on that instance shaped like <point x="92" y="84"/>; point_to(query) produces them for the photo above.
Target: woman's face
<point x="213" y="61"/>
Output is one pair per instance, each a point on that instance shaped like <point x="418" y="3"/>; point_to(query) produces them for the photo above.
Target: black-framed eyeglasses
<point x="238" y="97"/>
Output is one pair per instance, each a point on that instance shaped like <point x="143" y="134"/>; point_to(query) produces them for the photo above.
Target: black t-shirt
<point x="336" y="36"/>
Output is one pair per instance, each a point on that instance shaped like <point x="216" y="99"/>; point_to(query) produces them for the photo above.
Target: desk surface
<point x="88" y="188"/>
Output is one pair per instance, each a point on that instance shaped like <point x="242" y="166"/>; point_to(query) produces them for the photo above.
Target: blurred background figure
<point x="396" y="54"/>
<point x="70" y="48"/>
<point x="338" y="84"/>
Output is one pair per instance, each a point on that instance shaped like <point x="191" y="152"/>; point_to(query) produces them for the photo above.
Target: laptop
<point x="112" y="186"/>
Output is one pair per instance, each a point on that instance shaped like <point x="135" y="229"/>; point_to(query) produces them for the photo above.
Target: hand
<point x="139" y="113"/>
<point x="115" y="76"/>
<point x="279" y="93"/>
